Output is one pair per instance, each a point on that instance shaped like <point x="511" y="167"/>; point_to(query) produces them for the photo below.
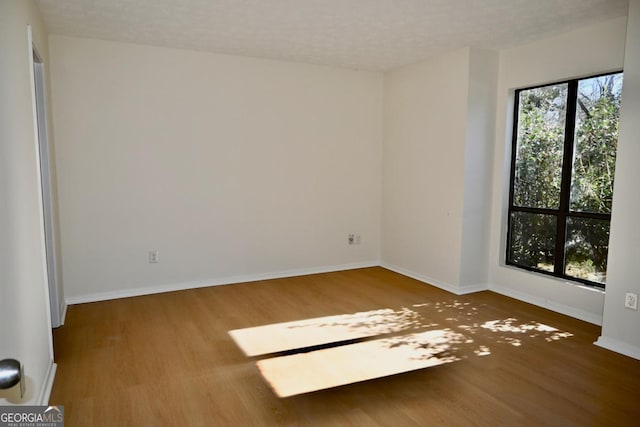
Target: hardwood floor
<point x="168" y="360"/>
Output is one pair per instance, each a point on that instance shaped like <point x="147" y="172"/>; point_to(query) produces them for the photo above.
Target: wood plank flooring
<point x="168" y="360"/>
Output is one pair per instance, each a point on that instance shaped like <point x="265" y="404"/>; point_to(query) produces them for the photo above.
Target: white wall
<point x="621" y="327"/>
<point x="478" y="161"/>
<point x="439" y="118"/>
<point x="423" y="168"/>
<point x="232" y="168"/>
<point x="596" y="49"/>
<point x="25" y="331"/>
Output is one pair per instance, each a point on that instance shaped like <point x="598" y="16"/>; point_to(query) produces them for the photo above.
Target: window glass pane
<point x="586" y="249"/>
<point x="533" y="238"/>
<point x="596" y="141"/>
<point x="539" y="146"/>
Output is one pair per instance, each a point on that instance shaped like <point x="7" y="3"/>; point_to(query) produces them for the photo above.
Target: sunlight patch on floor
<point x="279" y="337"/>
<point x="333" y="367"/>
<point x="531" y="329"/>
<point x="343" y="349"/>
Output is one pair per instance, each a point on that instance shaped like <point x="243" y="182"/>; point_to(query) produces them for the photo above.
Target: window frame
<point x="563" y="212"/>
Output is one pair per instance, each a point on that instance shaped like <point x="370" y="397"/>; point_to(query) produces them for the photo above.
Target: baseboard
<point x="47" y="386"/>
<point x="63" y="314"/>
<point x="470" y="289"/>
<point x="135" y="292"/>
<point x="428" y="280"/>
<point x="618" y="347"/>
<point x="549" y="305"/>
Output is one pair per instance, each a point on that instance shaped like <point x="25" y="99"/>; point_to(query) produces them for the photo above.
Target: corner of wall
<point x="618" y="346"/>
<point x="434" y="282"/>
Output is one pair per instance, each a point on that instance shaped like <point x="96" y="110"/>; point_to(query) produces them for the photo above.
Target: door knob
<point x="11" y="373"/>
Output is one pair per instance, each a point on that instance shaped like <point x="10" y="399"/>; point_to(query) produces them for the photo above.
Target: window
<point x="565" y="137"/>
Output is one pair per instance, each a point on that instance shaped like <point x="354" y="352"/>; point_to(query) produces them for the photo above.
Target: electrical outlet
<point x="153" y="257"/>
<point x="351" y="239"/>
<point x="631" y="301"/>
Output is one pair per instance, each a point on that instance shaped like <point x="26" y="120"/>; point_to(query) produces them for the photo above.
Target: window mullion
<point x="567" y="168"/>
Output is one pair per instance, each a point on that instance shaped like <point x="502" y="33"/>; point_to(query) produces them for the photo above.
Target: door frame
<point x="43" y="159"/>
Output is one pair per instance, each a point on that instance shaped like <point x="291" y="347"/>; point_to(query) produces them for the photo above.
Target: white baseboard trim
<point x="470" y="289"/>
<point x="47" y="386"/>
<point x="540" y="302"/>
<point x="135" y="292"/>
<point x="428" y="280"/>
<point x="63" y="313"/>
<point x="618" y="346"/>
<point x="549" y="305"/>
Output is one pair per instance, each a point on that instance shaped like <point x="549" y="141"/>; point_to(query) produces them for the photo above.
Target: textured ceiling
<point x="361" y="34"/>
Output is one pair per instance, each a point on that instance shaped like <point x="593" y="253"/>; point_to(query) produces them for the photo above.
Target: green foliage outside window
<point x="560" y="213"/>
